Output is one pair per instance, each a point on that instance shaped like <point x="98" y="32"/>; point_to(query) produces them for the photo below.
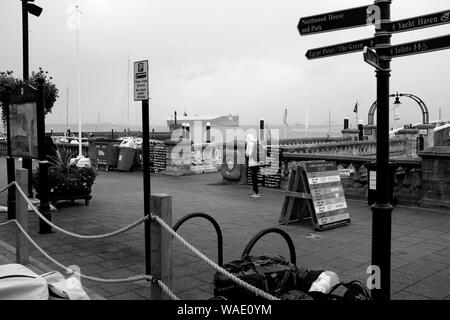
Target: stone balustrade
<point x="407" y="175"/>
<point x="313" y="141"/>
<point x="347" y="148"/>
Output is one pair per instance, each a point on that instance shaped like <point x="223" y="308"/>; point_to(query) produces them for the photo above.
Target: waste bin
<point x="127" y="158"/>
<point x="107" y="154"/>
<point x="372" y="180"/>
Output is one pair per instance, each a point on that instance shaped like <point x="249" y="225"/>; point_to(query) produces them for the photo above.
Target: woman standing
<point x="251" y="154"/>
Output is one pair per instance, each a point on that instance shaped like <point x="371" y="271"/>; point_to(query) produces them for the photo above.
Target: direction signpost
<point x="378" y="52"/>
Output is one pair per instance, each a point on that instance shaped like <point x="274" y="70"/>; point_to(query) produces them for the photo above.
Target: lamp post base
<point x="381" y="249"/>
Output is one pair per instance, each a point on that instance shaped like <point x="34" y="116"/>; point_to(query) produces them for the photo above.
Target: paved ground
<point x="420" y="244"/>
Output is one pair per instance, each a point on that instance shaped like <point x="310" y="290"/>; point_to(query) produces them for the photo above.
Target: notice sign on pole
<point x="141" y="80"/>
<point x="330" y="207"/>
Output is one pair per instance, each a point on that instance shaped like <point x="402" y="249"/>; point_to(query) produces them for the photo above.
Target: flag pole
<point x="80" y="149"/>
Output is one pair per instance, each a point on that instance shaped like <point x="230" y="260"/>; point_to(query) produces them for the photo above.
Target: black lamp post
<point x="35" y="10"/>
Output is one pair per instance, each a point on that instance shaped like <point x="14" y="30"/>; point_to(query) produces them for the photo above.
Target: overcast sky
<point x="218" y="56"/>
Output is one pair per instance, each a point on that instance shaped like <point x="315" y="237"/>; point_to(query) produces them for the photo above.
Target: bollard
<point x="208" y="132"/>
<point x="21" y="217"/>
<point x="160" y="244"/>
<point x="261" y="130"/>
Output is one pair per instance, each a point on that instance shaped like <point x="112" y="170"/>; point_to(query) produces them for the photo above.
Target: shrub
<point x="8" y="83"/>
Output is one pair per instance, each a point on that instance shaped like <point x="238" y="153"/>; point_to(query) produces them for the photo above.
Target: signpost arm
<point x="382" y="209"/>
<point x="44" y="206"/>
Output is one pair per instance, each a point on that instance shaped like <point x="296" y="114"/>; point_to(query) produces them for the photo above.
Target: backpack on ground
<point x="17" y="282"/>
<point x="272" y="274"/>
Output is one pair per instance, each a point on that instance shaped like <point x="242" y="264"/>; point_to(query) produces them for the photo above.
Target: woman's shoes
<point x="254" y="195"/>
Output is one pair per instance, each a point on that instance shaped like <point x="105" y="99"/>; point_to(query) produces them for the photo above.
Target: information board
<point x="330" y="207"/>
<point x="315" y="192"/>
<point x="24" y="135"/>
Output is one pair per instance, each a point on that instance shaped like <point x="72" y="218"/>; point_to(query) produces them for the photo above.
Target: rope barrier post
<point x="161" y="244"/>
<point x="22" y="217"/>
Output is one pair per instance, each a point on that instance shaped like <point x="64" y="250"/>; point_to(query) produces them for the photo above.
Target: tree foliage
<point x="8" y="82"/>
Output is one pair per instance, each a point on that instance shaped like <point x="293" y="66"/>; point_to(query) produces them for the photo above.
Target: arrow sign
<point x="372" y="58"/>
<point x="341" y="48"/>
<point x="349" y="18"/>
<point x="425" y="21"/>
<point x="422" y="46"/>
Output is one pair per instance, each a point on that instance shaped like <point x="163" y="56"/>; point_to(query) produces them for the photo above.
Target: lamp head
<point x="397" y="99"/>
<point x="33" y="9"/>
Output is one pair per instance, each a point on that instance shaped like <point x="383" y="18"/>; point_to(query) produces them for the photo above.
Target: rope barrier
<point x="7" y="222"/>
<point x="162" y="285"/>
<point x="7" y="187"/>
<point x="215" y="266"/>
<point x="76" y="235"/>
<point x="211" y="263"/>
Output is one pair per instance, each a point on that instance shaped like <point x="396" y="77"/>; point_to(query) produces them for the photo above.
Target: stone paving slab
<point x="420" y="255"/>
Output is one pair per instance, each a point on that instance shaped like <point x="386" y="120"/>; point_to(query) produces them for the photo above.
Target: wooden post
<point x="22" y="217"/>
<point x="161" y="244"/>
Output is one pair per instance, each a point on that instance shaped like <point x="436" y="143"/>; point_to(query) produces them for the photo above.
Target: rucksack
<point x="17" y="282"/>
<point x="272" y="274"/>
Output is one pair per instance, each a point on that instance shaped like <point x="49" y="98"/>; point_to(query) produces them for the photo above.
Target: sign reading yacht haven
<point x="425" y="21"/>
<point x="141" y="80"/>
<point x="349" y="18"/>
<point x="330" y="207"/>
<point x="422" y="46"/>
<point x="341" y="48"/>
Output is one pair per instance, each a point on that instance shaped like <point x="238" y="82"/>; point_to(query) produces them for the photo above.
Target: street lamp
<point x="396" y="104"/>
<point x="35" y="10"/>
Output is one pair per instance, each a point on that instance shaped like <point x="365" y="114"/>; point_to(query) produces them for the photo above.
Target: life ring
<point x="231" y="170"/>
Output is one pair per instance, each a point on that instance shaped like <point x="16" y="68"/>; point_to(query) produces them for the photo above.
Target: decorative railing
<point x="407" y="174"/>
<point x="347" y="148"/>
<point x="309" y="141"/>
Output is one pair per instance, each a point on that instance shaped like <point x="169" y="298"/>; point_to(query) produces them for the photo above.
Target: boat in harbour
<point x="215" y="120"/>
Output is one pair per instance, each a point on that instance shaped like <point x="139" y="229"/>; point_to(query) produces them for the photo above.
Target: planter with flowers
<point x="66" y="180"/>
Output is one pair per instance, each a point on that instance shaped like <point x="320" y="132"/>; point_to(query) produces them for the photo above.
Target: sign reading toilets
<point x="141" y="80"/>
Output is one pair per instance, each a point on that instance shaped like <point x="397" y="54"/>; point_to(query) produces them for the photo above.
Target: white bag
<point x="68" y="289"/>
<point x="17" y="282"/>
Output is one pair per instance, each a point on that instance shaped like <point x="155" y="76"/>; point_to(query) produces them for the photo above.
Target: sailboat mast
<point x="128" y="94"/>
<point x="67" y="109"/>
<point x="80" y="151"/>
<point x="306" y="122"/>
<point x="329" y="122"/>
